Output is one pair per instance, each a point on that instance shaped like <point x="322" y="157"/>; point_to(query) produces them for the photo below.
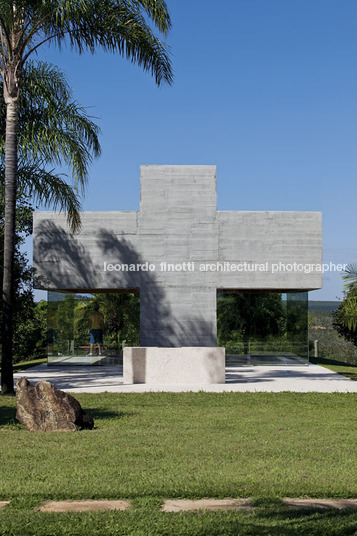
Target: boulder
<point x="43" y="407"/>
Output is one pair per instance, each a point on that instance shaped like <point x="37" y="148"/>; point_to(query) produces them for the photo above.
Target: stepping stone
<point x="83" y="506"/>
<point x="186" y="505"/>
<point x="3" y="503"/>
<point x="340" y="504"/>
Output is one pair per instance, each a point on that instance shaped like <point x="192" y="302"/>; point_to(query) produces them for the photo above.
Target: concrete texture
<point x="300" y="379"/>
<point x="187" y="505"/>
<point x="83" y="506"/>
<point x="174" y="366"/>
<point x="182" y="250"/>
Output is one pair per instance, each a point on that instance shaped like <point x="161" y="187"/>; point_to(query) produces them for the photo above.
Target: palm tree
<point x="113" y="25"/>
<point x="348" y="311"/>
<point x="53" y="129"/>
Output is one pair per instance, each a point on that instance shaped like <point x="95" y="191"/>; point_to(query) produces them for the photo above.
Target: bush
<point x="30" y="332"/>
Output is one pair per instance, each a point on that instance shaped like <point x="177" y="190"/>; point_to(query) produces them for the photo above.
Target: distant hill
<point x="323" y="305"/>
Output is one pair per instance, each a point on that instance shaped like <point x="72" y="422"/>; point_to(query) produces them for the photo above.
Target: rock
<point x="43" y="407"/>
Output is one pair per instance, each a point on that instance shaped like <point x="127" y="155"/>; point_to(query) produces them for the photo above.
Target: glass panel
<point x="70" y="317"/>
<point x="260" y="328"/>
<point x="60" y="326"/>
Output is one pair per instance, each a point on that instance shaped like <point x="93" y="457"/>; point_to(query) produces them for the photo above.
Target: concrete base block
<point x="186" y="365"/>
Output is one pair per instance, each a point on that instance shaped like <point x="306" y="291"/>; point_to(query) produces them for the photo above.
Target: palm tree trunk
<point x="7" y="377"/>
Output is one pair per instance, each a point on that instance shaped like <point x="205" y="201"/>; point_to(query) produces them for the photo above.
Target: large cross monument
<point x="177" y="251"/>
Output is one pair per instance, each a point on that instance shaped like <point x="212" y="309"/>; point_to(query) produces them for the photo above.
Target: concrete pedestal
<point x="186" y="365"/>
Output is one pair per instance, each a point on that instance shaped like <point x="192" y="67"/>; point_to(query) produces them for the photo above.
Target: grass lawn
<point x="147" y="447"/>
<point x="23" y="365"/>
<point x="350" y="371"/>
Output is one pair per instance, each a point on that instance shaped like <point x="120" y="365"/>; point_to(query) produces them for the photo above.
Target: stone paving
<point x="340" y="504"/>
<point x="185" y="505"/>
<point x="188" y="505"/>
<point x="109" y="378"/>
<point x="83" y="506"/>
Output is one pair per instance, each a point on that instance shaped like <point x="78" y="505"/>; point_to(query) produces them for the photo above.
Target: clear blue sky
<point x="264" y="89"/>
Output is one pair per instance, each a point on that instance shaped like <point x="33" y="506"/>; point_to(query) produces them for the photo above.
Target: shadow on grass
<point x="326" y="361"/>
<point x="104" y="414"/>
<point x="282" y="521"/>
<point x="276" y="521"/>
<point x="8" y="415"/>
<point x="273" y="521"/>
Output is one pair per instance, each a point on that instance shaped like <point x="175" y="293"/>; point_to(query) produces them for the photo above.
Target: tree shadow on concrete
<point x="158" y="327"/>
<point x="68" y="264"/>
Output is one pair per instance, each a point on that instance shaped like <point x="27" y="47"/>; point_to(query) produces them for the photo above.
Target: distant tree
<point x="29" y="327"/>
<point x="30" y="331"/>
<point x="345" y="317"/>
<point x="121" y="314"/>
<point x="242" y="316"/>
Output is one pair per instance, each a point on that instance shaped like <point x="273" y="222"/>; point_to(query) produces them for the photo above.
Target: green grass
<point x="151" y="446"/>
<point x="350" y="371"/>
<point x="23" y="365"/>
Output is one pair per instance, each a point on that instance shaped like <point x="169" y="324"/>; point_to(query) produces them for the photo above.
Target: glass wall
<point x="258" y="328"/>
<point x="70" y="339"/>
<point x="255" y="327"/>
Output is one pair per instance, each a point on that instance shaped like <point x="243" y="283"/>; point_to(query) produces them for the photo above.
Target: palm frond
<point x="350" y="276"/>
<point x="348" y="313"/>
<point x="50" y="190"/>
<point x="158" y="12"/>
<point x="52" y="127"/>
<point x="113" y="25"/>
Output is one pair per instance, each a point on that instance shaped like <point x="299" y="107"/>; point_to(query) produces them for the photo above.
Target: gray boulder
<point x="43" y="407"/>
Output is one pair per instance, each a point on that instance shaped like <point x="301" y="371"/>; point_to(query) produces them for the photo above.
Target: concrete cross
<point x="177" y="251"/>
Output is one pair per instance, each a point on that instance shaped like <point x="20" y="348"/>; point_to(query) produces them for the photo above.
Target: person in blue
<point x="96" y="328"/>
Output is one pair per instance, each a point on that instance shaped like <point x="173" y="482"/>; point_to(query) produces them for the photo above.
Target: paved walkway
<point x="98" y="379"/>
<point x="188" y="505"/>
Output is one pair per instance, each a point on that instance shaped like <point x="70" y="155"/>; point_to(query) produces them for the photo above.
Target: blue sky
<point x="264" y="89"/>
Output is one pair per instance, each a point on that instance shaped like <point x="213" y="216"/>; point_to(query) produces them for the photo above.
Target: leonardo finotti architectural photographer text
<point x="224" y="267"/>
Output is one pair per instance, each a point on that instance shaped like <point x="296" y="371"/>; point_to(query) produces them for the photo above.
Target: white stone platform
<point x="174" y="366"/>
<point x="301" y="379"/>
